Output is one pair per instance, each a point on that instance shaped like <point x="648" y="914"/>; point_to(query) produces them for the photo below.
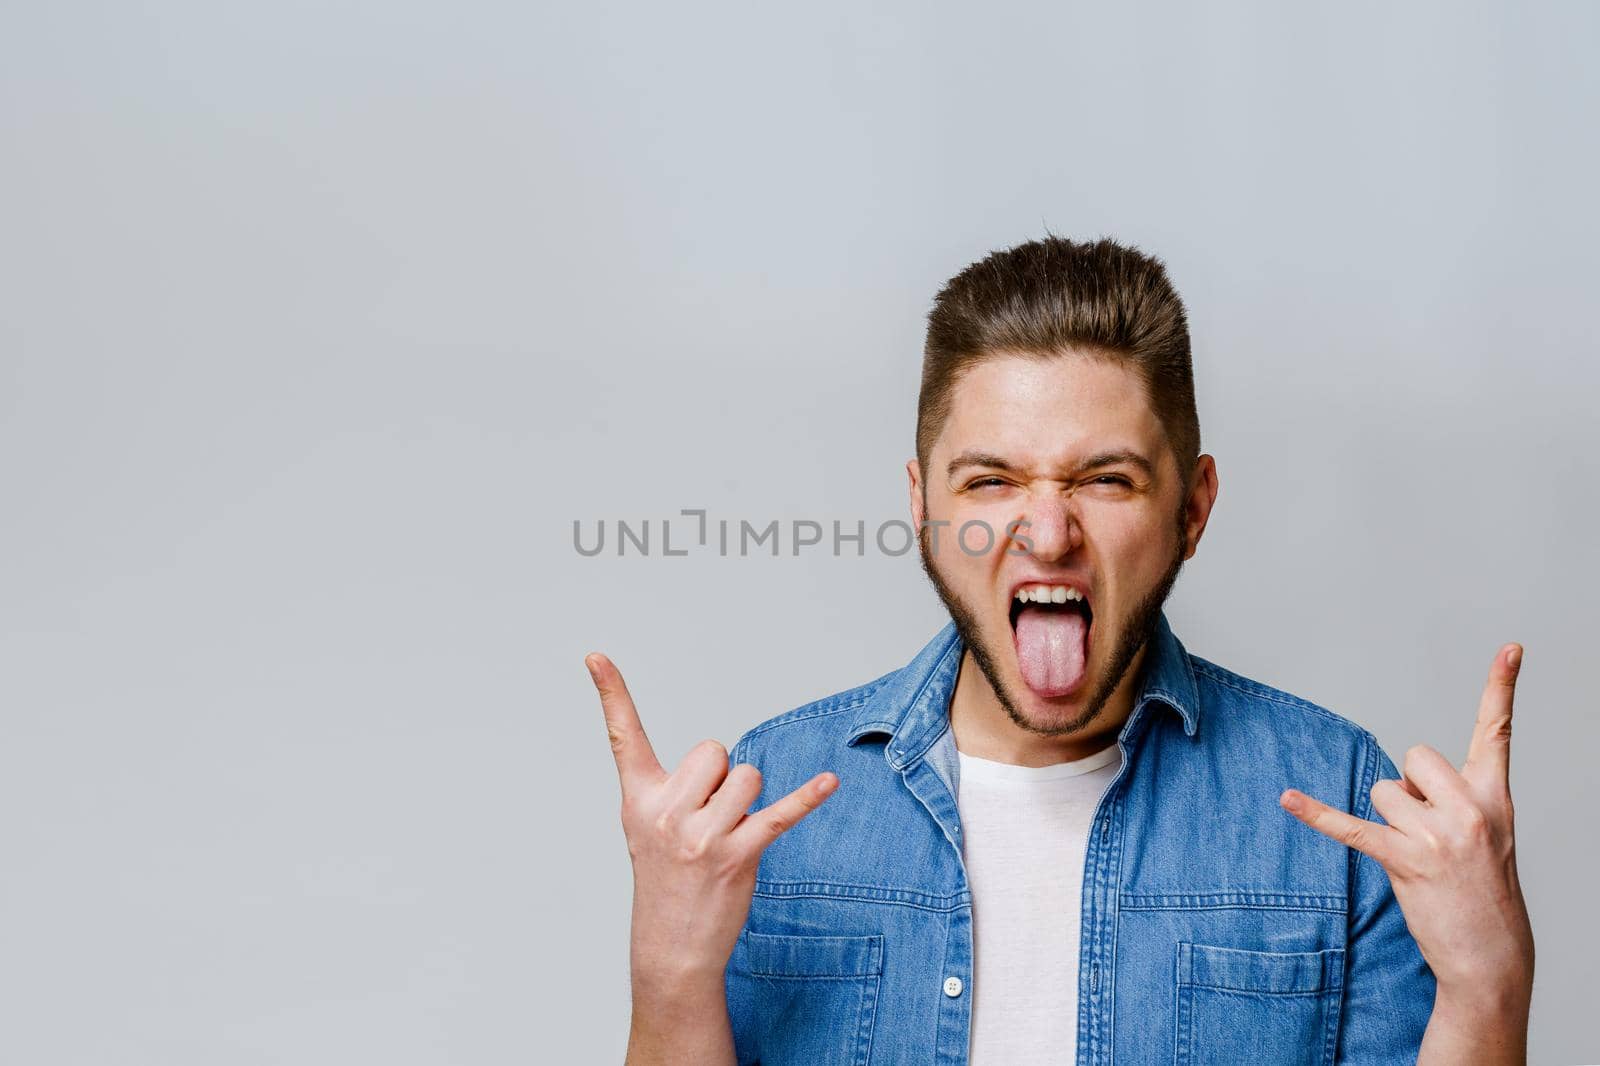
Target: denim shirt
<point x="1216" y="927"/>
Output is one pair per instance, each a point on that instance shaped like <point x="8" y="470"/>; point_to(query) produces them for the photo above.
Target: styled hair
<point x="1051" y="297"/>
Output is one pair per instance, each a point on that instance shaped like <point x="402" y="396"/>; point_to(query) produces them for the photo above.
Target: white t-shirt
<point x="1025" y="833"/>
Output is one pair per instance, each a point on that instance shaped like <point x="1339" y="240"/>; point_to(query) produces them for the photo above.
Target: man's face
<point x="1068" y="453"/>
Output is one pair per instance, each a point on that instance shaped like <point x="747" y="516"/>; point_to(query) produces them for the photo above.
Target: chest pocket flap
<point x="767" y="955"/>
<point x="1239" y="1006"/>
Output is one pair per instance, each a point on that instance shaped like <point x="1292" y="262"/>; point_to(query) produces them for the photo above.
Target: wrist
<point x="678" y="1013"/>
<point x="1485" y="1024"/>
<point x="679" y="1019"/>
<point x="677" y="986"/>
<point x="1503" y="999"/>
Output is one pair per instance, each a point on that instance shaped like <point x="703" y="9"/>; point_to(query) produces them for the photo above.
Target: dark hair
<point x="1049" y="297"/>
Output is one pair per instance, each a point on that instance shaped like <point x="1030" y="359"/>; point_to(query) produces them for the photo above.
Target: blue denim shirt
<point x="1216" y="927"/>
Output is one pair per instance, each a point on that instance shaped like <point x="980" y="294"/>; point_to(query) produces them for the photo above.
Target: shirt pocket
<point x="812" y="999"/>
<point x="1236" y="1006"/>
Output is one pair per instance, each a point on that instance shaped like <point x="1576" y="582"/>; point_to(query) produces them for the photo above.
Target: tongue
<point x="1051" y="649"/>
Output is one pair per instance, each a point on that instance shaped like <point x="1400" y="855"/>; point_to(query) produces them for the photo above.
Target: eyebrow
<point x="997" y="462"/>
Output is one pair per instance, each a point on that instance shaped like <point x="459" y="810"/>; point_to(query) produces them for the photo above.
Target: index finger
<point x="1371" y="839"/>
<point x="772" y="821"/>
<point x="1489" y="755"/>
<point x="636" y="759"/>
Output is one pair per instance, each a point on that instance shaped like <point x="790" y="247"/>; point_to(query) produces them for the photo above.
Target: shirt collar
<point x="913" y="705"/>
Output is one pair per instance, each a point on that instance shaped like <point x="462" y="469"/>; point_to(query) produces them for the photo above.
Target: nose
<point x="1051" y="528"/>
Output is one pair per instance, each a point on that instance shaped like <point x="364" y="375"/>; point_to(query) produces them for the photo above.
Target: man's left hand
<point x="1450" y="852"/>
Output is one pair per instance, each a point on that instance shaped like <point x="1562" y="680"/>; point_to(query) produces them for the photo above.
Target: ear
<point x="1197" y="508"/>
<point x="914" y="472"/>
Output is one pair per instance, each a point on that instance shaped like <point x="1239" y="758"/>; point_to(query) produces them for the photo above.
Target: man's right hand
<point x="694" y="847"/>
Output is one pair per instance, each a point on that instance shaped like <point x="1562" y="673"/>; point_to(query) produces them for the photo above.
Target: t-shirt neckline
<point x="990" y="770"/>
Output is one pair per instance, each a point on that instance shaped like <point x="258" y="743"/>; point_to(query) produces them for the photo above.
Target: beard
<point x="1132" y="636"/>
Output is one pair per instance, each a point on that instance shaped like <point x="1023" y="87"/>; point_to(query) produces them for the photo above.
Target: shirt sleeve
<point x="741" y="1005"/>
<point x="1388" y="987"/>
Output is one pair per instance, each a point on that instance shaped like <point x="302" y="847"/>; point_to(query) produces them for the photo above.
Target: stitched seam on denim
<point x="1239" y="683"/>
<point x="926" y="681"/>
<point x="1145" y="901"/>
<point x="869" y="1010"/>
<point x="804" y="714"/>
<point x="1174" y="704"/>
<point x="1227" y="990"/>
<point x="1369" y="774"/>
<point x="863" y="893"/>
<point x="849" y="699"/>
<point x="916" y="906"/>
<point x="1108" y="983"/>
<point x="867" y="729"/>
<point x="938" y="1020"/>
<point x="1236" y="907"/>
<point x="1107" y="881"/>
<point x="1361" y="803"/>
<point x="1333" y="1016"/>
<point x="1183" y="1015"/>
<point x="1212" y="951"/>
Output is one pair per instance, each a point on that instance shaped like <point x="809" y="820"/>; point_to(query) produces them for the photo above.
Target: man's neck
<point x="983" y="729"/>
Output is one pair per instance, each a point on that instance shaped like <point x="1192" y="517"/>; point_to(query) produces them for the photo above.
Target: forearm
<point x="1483" y="1027"/>
<point x="680" y="1021"/>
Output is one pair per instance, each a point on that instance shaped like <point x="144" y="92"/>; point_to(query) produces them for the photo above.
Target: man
<point x="1056" y="836"/>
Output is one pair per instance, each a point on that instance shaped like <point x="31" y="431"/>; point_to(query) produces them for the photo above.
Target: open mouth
<point x="1050" y="627"/>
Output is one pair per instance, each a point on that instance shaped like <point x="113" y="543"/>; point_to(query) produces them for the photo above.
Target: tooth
<point x="1058" y="594"/>
<point x="1074" y="594"/>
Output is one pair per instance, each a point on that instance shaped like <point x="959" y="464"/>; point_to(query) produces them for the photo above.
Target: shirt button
<point x="952" y="987"/>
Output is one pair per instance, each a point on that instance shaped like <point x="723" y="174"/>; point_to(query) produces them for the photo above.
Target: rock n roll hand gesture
<point x="1450" y="852"/>
<point x="695" y="850"/>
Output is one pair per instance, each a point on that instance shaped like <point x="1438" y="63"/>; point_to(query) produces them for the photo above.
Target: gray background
<point x="323" y="322"/>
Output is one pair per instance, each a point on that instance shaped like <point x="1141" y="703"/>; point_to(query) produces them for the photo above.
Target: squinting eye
<point x="1112" y="479"/>
<point x="984" y="482"/>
